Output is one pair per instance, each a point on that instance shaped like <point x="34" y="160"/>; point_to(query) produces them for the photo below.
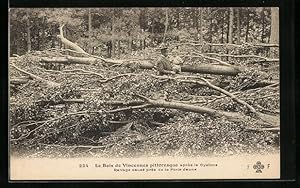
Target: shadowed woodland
<point x="84" y="82"/>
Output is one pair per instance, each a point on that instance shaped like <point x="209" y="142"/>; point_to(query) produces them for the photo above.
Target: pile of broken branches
<point x="86" y="105"/>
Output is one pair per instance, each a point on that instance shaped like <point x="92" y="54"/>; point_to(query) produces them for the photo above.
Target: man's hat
<point x="162" y="46"/>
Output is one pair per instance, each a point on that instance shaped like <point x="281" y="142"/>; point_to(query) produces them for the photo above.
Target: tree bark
<point x="119" y="48"/>
<point x="18" y="38"/>
<point x="200" y="24"/>
<point x="263" y="25"/>
<point x="210" y="25"/>
<point x="18" y="81"/>
<point x="230" y="29"/>
<point x="28" y="32"/>
<point x="129" y="42"/>
<point x="211" y="69"/>
<point x="152" y="32"/>
<point x="222" y="35"/>
<point x="263" y="119"/>
<point x="113" y="34"/>
<point x="247" y="25"/>
<point x="238" y="25"/>
<point x="90" y="29"/>
<point x="38" y="46"/>
<point x="230" y="26"/>
<point x="69" y="60"/>
<point x="202" y="69"/>
<point x="196" y="21"/>
<point x="166" y="26"/>
<point x="274" y="38"/>
<point x="178" y="18"/>
<point x="68" y="43"/>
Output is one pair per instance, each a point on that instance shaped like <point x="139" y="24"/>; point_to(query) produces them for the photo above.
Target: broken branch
<point x="50" y="83"/>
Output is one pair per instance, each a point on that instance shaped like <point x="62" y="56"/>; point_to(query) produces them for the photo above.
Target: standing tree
<point x="166" y="26"/>
<point x="274" y="38"/>
<point x="200" y="30"/>
<point x="28" y="26"/>
<point x="230" y="26"/>
<point x="113" y="33"/>
<point x="247" y="24"/>
<point x="238" y="25"/>
<point x="90" y="29"/>
<point x="263" y="24"/>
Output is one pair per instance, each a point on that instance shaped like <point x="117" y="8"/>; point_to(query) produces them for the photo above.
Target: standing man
<point x="164" y="65"/>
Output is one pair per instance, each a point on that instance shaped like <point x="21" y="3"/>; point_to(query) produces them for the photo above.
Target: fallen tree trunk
<point x="69" y="60"/>
<point x="50" y="83"/>
<point x="212" y="69"/>
<point x="202" y="69"/>
<point x="259" y="84"/>
<point x="18" y="81"/>
<point x="233" y="97"/>
<point x="263" y="119"/>
<point x="268" y="119"/>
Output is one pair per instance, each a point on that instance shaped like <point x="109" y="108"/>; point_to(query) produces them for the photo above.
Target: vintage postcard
<point x="185" y="93"/>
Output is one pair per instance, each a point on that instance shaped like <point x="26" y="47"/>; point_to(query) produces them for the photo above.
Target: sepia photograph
<point x="144" y="93"/>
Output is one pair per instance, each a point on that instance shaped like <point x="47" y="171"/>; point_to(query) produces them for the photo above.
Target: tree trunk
<point x="119" y="48"/>
<point x="274" y="38"/>
<point x="222" y="36"/>
<point x="263" y="25"/>
<point x="152" y="33"/>
<point x="68" y="43"/>
<point x="28" y="32"/>
<point x="178" y="18"/>
<point x="211" y="69"/>
<point x="18" y="46"/>
<point x="202" y="69"/>
<point x="166" y="26"/>
<point x="200" y="24"/>
<point x="141" y="44"/>
<point x="108" y="44"/>
<point x="210" y="28"/>
<point x="238" y="25"/>
<point x="262" y="119"/>
<point x="247" y="25"/>
<point x="229" y="29"/>
<point x="196" y="23"/>
<point x="90" y="30"/>
<point x="113" y="34"/>
<point x="18" y="81"/>
<point x="129" y="43"/>
<point x="230" y="26"/>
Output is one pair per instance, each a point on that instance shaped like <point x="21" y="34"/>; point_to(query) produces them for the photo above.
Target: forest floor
<point x="76" y="118"/>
